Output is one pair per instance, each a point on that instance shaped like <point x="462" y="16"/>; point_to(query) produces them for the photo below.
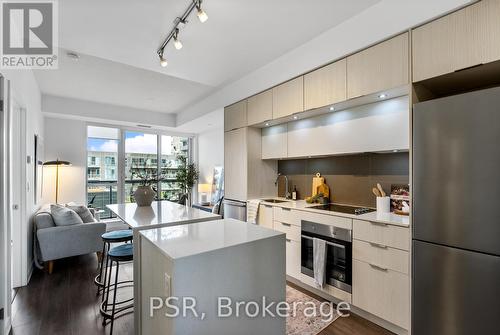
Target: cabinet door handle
<point x="268" y="206"/>
<point x="376" y="245"/>
<point x="381" y="224"/>
<point x="286" y="209"/>
<point x="286" y="224"/>
<point x="288" y="240"/>
<point x="378" y="267"/>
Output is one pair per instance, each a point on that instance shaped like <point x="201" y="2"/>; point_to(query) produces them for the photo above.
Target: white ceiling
<point x="117" y="40"/>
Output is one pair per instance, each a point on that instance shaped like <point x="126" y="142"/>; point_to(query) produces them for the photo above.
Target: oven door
<point x="338" y="261"/>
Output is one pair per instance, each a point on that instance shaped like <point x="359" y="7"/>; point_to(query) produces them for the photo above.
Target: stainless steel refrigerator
<point x="456" y="215"/>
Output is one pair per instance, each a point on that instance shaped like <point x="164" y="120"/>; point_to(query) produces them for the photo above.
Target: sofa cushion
<point x="64" y="216"/>
<point x="83" y="212"/>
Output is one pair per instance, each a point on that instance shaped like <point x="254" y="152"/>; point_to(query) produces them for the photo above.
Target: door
<point x="455" y="291"/>
<point x="456" y="184"/>
<point x="17" y="192"/>
<point x="235" y="164"/>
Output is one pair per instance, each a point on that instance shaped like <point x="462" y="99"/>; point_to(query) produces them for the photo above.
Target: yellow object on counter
<point x="323" y="188"/>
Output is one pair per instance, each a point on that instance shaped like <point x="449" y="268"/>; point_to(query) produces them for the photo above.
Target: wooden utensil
<point x="382" y="193"/>
<point x="376" y="192"/>
<point x="317" y="181"/>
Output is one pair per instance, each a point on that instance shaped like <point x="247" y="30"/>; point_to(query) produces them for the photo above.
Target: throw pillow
<point x="64" y="216"/>
<point x="83" y="212"/>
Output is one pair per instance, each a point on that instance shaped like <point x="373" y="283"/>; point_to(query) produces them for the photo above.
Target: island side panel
<point x="245" y="272"/>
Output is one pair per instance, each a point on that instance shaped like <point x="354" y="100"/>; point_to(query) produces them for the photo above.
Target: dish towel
<point x="319" y="253"/>
<point x="252" y="211"/>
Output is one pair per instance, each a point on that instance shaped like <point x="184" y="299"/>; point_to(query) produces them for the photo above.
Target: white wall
<point x="65" y="139"/>
<point x="210" y="153"/>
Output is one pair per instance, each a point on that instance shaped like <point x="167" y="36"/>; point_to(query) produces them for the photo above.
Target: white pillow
<point x="64" y="216"/>
<point x="83" y="212"/>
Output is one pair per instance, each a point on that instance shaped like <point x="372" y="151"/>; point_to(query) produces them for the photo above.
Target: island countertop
<point x="159" y="213"/>
<point x="197" y="238"/>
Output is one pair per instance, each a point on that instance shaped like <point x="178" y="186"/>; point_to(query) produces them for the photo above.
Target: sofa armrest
<point x="66" y="241"/>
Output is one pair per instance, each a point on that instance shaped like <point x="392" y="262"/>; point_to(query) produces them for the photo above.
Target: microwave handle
<point x="327" y="242"/>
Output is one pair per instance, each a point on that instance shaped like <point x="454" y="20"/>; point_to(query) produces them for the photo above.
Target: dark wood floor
<point x="65" y="303"/>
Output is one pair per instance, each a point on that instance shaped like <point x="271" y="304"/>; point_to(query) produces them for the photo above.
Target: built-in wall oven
<point x="338" y="270"/>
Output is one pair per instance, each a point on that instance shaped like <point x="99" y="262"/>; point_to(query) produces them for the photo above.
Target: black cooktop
<point x="344" y="209"/>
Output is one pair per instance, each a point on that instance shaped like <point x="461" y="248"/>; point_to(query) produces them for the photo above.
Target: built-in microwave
<point x="338" y="270"/>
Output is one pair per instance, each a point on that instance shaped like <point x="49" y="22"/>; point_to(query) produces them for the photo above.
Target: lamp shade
<point x="204" y="188"/>
<point x="57" y="162"/>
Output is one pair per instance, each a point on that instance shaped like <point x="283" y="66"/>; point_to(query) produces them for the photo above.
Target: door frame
<point x="5" y="276"/>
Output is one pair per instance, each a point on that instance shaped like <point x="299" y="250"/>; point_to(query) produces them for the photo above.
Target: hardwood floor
<point x="66" y="303"/>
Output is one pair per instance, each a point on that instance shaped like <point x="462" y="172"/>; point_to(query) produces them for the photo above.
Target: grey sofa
<point x="57" y="242"/>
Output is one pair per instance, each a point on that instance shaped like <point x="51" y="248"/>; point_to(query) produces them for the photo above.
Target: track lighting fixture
<point x="180" y="22"/>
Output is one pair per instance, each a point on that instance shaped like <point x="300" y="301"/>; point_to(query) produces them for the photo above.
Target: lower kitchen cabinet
<point x="265" y="218"/>
<point x="293" y="258"/>
<point x="381" y="292"/>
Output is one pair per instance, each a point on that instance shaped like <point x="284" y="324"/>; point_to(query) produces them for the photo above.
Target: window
<point x="154" y="156"/>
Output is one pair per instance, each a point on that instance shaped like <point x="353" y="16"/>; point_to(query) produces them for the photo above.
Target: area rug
<point x="301" y="324"/>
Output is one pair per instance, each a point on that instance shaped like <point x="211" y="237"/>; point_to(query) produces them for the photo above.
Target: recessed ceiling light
<point x="395" y="150"/>
<point x="295" y="117"/>
<point x="267" y="124"/>
<point x="332" y="109"/>
<point x="73" y="55"/>
<point x="382" y="96"/>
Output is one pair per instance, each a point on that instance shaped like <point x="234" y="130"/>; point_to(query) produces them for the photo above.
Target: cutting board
<point x="317" y="181"/>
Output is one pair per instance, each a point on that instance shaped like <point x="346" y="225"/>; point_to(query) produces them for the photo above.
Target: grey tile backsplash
<point x="350" y="178"/>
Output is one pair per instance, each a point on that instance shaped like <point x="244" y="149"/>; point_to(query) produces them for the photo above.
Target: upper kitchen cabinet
<point x="260" y="108"/>
<point x="235" y="116"/>
<point x="380" y="67"/>
<point x="325" y="86"/>
<point x="288" y="98"/>
<point x="274" y="142"/>
<point x="456" y="41"/>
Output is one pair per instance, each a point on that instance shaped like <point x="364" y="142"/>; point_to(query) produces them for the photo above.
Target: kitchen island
<point x="203" y="262"/>
<point x="159" y="214"/>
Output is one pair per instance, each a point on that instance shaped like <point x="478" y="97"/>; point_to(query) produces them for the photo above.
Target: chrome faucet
<point x="287" y="192"/>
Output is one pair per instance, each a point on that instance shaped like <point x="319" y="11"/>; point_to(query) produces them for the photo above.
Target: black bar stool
<point x="117" y="236"/>
<point x="119" y="254"/>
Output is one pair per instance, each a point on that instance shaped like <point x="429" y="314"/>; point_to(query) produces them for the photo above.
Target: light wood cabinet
<point x="260" y="108"/>
<point x="246" y="175"/>
<point x="456" y="41"/>
<point x="266" y="216"/>
<point x="379" y="67"/>
<point x="288" y="98"/>
<point x="235" y="116"/>
<point x="293" y="258"/>
<point x="326" y="85"/>
<point x="387" y="257"/>
<point x="292" y="232"/>
<point x="382" y="234"/>
<point x="274" y="142"/>
<point x="381" y="292"/>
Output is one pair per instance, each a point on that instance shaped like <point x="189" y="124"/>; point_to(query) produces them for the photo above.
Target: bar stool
<point x="119" y="254"/>
<point x="117" y="236"/>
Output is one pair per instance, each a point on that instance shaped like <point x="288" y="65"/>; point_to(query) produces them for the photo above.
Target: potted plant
<point x="187" y="176"/>
<point x="144" y="194"/>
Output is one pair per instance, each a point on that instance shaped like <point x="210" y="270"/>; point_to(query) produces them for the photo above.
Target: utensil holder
<point x="383" y="204"/>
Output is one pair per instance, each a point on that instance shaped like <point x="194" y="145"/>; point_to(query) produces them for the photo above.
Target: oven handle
<point x="327" y="242"/>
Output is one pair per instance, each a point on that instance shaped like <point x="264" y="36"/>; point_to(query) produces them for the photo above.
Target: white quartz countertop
<point x="159" y="213"/>
<point x="302" y="205"/>
<point x="196" y="238"/>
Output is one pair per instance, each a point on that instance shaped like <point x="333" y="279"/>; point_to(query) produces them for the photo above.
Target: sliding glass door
<point x="118" y="161"/>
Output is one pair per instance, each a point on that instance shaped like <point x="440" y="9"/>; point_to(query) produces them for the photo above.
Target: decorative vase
<point x="144" y="196"/>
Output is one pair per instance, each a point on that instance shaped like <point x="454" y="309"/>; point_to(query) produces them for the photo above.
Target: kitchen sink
<point x="275" y="201"/>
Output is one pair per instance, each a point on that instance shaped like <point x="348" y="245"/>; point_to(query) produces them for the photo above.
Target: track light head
<point x="163" y="61"/>
<point x="202" y="16"/>
<point x="177" y="42"/>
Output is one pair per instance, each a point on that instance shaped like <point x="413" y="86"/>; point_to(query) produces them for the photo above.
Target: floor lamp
<point x="57" y="163"/>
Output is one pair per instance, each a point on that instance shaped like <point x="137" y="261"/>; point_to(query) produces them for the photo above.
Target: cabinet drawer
<point x="384" y="293"/>
<point x="380" y="233"/>
<point x="265" y="217"/>
<point x="384" y="256"/>
<point x="293" y="258"/>
<point x="292" y="232"/>
<point x="286" y="215"/>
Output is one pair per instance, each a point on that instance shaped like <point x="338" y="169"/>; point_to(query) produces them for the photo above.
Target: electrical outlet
<point x="167" y="283"/>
